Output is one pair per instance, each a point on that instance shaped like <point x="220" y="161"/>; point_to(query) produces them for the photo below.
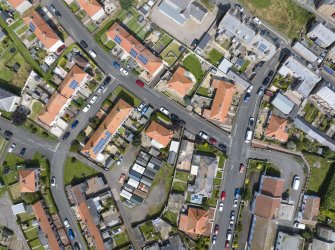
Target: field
<point x="285" y="15"/>
<point x="76" y="170"/>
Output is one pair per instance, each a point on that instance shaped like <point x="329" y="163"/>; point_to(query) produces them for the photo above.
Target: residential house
<point x="197" y="222"/>
<point x="323" y="36"/>
<point x="224" y="93"/>
<point x="29" y="180"/>
<point x="95" y="185"/>
<point x="18" y="208"/>
<point x="8" y="101"/>
<point x="177" y="10"/>
<point x="92" y="8"/>
<point x="287" y="241"/>
<point x="5" y="236"/>
<point x="318" y="244"/>
<point x="310" y="210"/>
<point x="304" y="78"/>
<point x="43" y="31"/>
<point x="262" y="233"/>
<point x="173" y="151"/>
<point x="326" y="8"/>
<point x="44" y="223"/>
<point x="197" y="11"/>
<point x="181" y="82"/>
<point x="160" y="135"/>
<point x="174" y="243"/>
<point x="325" y="98"/>
<point x="20" y="5"/>
<point x="185" y="156"/>
<point x="307" y="54"/>
<point x="277" y="128"/>
<point x="130" y="45"/>
<point x="271" y="186"/>
<point x="283" y="103"/>
<point x="58" y="102"/>
<point x="106" y="130"/>
<point x="327" y="234"/>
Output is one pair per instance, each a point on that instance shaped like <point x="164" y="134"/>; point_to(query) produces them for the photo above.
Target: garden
<point x="75" y="170"/>
<point x="172" y="52"/>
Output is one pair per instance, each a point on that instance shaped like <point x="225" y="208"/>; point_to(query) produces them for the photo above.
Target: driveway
<point x="8" y="219"/>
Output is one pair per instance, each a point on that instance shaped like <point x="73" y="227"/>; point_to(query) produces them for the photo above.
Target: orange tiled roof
<point x="196" y="222"/>
<point x="276" y="128"/>
<point x="272" y="186"/>
<point x="91" y="7"/>
<point x="128" y="42"/>
<point x="54" y="106"/>
<point x="267" y="207"/>
<point x="179" y="82"/>
<point x="112" y="122"/>
<point x="16" y="3"/>
<point x="42" y="30"/>
<point x="27" y="180"/>
<point x="159" y="133"/>
<point x="94" y="231"/>
<point x="222" y="100"/>
<point x="72" y="80"/>
<point x="45" y="225"/>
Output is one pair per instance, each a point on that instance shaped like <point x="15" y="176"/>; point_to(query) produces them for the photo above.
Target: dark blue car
<point x="246" y="97"/>
<point x="71" y="234"/>
<point x="237" y="192"/>
<point x="116" y="65"/>
<point x="74" y="124"/>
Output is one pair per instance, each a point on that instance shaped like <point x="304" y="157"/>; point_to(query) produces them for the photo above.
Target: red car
<point x="212" y="140"/>
<point x="140" y="83"/>
<point x="216" y="229"/>
<point x="241" y="167"/>
<point x="223" y="195"/>
<point x="227" y="244"/>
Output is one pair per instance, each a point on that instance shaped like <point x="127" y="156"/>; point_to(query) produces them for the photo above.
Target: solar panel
<point x="143" y="59"/>
<point x="102" y="142"/>
<point x="117" y="39"/>
<point x="133" y="53"/>
<point x="31" y="26"/>
<point x="74" y="84"/>
<point x="262" y="47"/>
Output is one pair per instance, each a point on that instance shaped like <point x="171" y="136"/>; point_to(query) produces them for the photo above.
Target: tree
<point x="19" y="116"/>
<point x="75" y="145"/>
<point x="126" y="4"/>
<point x="327" y="153"/>
<point x="291" y="145"/>
<point x="137" y="140"/>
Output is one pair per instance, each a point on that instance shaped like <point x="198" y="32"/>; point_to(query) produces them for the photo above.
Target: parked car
<point x="140" y="83"/>
<point x="101" y="89"/>
<point x="239" y="7"/>
<point x="140" y="107"/>
<point x="53" y="181"/>
<point x="8" y="135"/>
<point x="181" y="123"/>
<point x="66" y="135"/>
<point x="83" y="44"/>
<point x="222" y="147"/>
<point x="94" y="99"/>
<point x="231" y="224"/>
<point x="22" y="152"/>
<point x="212" y="140"/>
<point x="296" y="182"/>
<point x="221" y="206"/>
<point x="235" y="202"/>
<point x="261" y="90"/>
<point x="118" y="162"/>
<point x="122" y="178"/>
<point x="242" y="167"/>
<point x="174" y="118"/>
<point x="237" y="193"/>
<point x="250" y="89"/>
<point x="58" y="14"/>
<point x="227" y="244"/>
<point x="116" y="65"/>
<point x="87" y="107"/>
<point x="106" y="81"/>
<point x="232" y="215"/>
<point x="256" y="20"/>
<point x="246" y="97"/>
<point x="203" y="135"/>
<point x="11" y="148"/>
<point x="71" y="234"/>
<point x="223" y="195"/>
<point x="116" y="231"/>
<point x="271" y="73"/>
<point x="66" y="223"/>
<point x="216" y="229"/>
<point x="124" y="71"/>
<point x="266" y="81"/>
<point x="251" y="122"/>
<point x="194" y="43"/>
<point x="52" y="7"/>
<point x="76" y="246"/>
<point x="92" y="53"/>
<point x="214" y="238"/>
<point x="229" y="234"/>
<point x="164" y="111"/>
<point x="321" y="58"/>
<point x="74" y="124"/>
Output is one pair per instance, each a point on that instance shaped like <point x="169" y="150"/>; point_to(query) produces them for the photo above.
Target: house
<point x="318" y="244"/>
<point x="304" y="78"/>
<point x="173" y="151"/>
<point x="92" y="8"/>
<point x="197" y="222"/>
<point x="130" y="45"/>
<point x="310" y="210"/>
<point x="323" y="36"/>
<point x="181" y="82"/>
<point x="174" y="243"/>
<point x="18" y="208"/>
<point x="304" y="52"/>
<point x="224" y="66"/>
<point x="197" y="11"/>
<point x="20" y="5"/>
<point x="238" y="79"/>
<point x="95" y="185"/>
<point x="224" y="93"/>
<point x="5" y="236"/>
<point x="287" y="241"/>
<point x="325" y="97"/>
<point x="262" y="47"/>
<point x="160" y="136"/>
<point x="106" y="130"/>
<point x="29" y="180"/>
<point x="326" y="234"/>
<point x="277" y="128"/>
<point x="177" y="10"/>
<point x="8" y="101"/>
<point x="271" y="186"/>
<point x="200" y="49"/>
<point x="185" y="155"/>
<point x="46" y="228"/>
<point x="262" y="233"/>
<point x="42" y="30"/>
<point x="59" y="100"/>
<point x="282" y="103"/>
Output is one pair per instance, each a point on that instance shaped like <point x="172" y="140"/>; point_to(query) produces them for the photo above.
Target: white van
<point x="296" y="182"/>
<point x="299" y="225"/>
<point x="92" y="53"/>
<point x="248" y="136"/>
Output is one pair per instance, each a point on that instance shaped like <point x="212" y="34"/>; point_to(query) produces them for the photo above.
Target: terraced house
<point x="92" y="8"/>
<point x="43" y="32"/>
<point x="20" y="5"/>
<point x="151" y="64"/>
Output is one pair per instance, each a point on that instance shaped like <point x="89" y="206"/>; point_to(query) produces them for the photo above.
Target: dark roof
<point x="204" y="41"/>
<point x="146" y="181"/>
<point x="150" y="174"/>
<point x="135" y="175"/>
<point x="197" y="11"/>
<point x="136" y="199"/>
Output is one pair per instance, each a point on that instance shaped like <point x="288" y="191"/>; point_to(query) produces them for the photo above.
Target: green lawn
<point x="171" y="53"/>
<point x="37" y="107"/>
<point x="179" y="187"/>
<point x="38" y="130"/>
<point x="127" y="96"/>
<point x="203" y="91"/>
<point x="165" y="39"/>
<point x="171" y="217"/>
<point x="120" y="239"/>
<point x="91" y="27"/>
<point x="192" y="64"/>
<point x="163" y="118"/>
<point x="26" y="217"/>
<point x="3" y="143"/>
<point x="244" y="66"/>
<point x="76" y="170"/>
<point x="311" y="112"/>
<point x="35" y="243"/>
<point x="183" y="176"/>
<point x="31" y="234"/>
<point x="149" y="232"/>
<point x="74" y="6"/>
<point x="205" y="149"/>
<point x="132" y="23"/>
<point x="285" y="15"/>
<point x="11" y="161"/>
<point x="214" y="56"/>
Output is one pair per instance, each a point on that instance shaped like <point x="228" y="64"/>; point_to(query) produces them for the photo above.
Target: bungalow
<point x="29" y="180"/>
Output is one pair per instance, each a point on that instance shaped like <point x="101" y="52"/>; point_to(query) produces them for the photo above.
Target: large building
<point x="20" y="5"/>
<point x="43" y="31"/>
<point x="145" y="59"/>
<point x="106" y="130"/>
<point x="160" y="135"/>
<point x="181" y="82"/>
<point x="29" y="180"/>
<point x="224" y="93"/>
<point x="92" y="8"/>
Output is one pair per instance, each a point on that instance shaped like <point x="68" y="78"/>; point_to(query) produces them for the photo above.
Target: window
<point x="117" y="39"/>
<point x="133" y="53"/>
<point x="143" y="59"/>
<point x="32" y="27"/>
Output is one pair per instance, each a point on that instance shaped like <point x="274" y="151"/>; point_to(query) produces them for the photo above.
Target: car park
<point x="223" y="195"/>
<point x="203" y="135"/>
<point x="116" y="65"/>
<point x="221" y="206"/>
<point x="87" y="107"/>
<point x="22" y="152"/>
<point x="222" y="147"/>
<point x="249" y="89"/>
<point x="246" y="97"/>
<point x="256" y="20"/>
<point x="94" y="99"/>
<point x="216" y="229"/>
<point x="251" y="122"/>
<point x="242" y="167"/>
<point x="11" y="148"/>
<point x="83" y="44"/>
<point x="239" y="7"/>
<point x="212" y="140"/>
<point x="140" y="83"/>
<point x="235" y="202"/>
<point x="232" y="215"/>
<point x="66" y="135"/>
<point x="92" y="53"/>
<point x="124" y="71"/>
<point x="74" y="124"/>
<point x="53" y="181"/>
<point x="71" y="234"/>
<point x="106" y="81"/>
<point x="8" y="135"/>
<point x="66" y="223"/>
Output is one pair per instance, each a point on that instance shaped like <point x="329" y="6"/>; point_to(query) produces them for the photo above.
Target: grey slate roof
<point x="173" y="8"/>
<point x="197" y="11"/>
<point x="283" y="103"/>
<point x="204" y="41"/>
<point x="304" y="52"/>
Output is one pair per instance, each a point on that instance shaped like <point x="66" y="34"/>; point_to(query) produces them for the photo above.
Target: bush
<point x="75" y="146"/>
<point x="126" y="4"/>
<point x="328" y="201"/>
<point x="19" y="116"/>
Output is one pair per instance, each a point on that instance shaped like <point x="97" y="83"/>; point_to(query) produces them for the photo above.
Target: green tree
<point x="75" y="146"/>
<point x="327" y="153"/>
<point x="126" y="4"/>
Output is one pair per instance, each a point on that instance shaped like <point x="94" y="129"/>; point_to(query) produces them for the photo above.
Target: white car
<point x="53" y="181"/>
<point x="101" y="89"/>
<point x="140" y="107"/>
<point x="220" y="206"/>
<point x="124" y="71"/>
<point x="119" y="161"/>
<point x="203" y="135"/>
<point x="235" y="202"/>
<point x="232" y="216"/>
<point x="87" y="107"/>
<point x="66" y="223"/>
<point x="250" y="89"/>
<point x="94" y="99"/>
<point x="321" y="58"/>
<point x="92" y="53"/>
<point x="164" y="111"/>
<point x="256" y="20"/>
<point x="116" y="231"/>
<point x="231" y="224"/>
<point x="12" y="147"/>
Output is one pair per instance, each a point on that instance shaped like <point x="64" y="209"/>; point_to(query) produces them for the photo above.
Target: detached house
<point x="277" y="128"/>
<point x="29" y="180"/>
<point x="20" y="5"/>
<point x="43" y="32"/>
<point x="92" y="8"/>
<point x="160" y="135"/>
<point x="323" y="36"/>
<point x="181" y="82"/>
